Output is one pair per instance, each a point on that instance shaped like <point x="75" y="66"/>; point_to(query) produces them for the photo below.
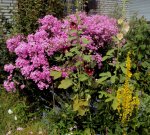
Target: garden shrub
<point x="136" y="42"/>
<point x="56" y="51"/>
<point x="5" y="57"/>
<point x="29" y="11"/>
<point x="81" y="73"/>
<point x="35" y="53"/>
<point x="139" y="45"/>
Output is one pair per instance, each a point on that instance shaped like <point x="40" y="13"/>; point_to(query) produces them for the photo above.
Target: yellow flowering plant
<point x="127" y="102"/>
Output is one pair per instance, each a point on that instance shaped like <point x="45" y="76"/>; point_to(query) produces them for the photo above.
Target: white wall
<point x="6" y="6"/>
<point x="141" y="7"/>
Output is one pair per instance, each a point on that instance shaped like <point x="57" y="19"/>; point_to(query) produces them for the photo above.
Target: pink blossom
<point x="9" y="86"/>
<point x="13" y="42"/>
<point x="9" y="68"/>
<point x="42" y="85"/>
<point x="20" y="129"/>
<point x="35" y="54"/>
<point x="22" y="50"/>
<point x="98" y="58"/>
<point x="22" y="86"/>
<point x="21" y="62"/>
<point x="64" y="74"/>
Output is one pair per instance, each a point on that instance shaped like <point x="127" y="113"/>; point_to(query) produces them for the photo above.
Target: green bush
<point x="5" y="30"/>
<point x="29" y="11"/>
<point x="66" y="113"/>
<point x="138" y="42"/>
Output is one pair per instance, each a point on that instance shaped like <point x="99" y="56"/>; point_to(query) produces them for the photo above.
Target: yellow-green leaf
<point x="83" y="77"/>
<point x="108" y="74"/>
<point x="109" y="99"/>
<point x="105" y="58"/>
<point x="87" y="58"/>
<point x="55" y="74"/>
<point x="110" y="52"/>
<point x="113" y="79"/>
<point x="66" y="83"/>
<point x="101" y="80"/>
<point x="87" y="131"/>
<point x="114" y="104"/>
<point x="85" y="41"/>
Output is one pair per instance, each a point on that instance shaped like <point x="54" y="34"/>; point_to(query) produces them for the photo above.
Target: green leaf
<point x="105" y="58"/>
<point x="145" y="64"/>
<point x="140" y="56"/>
<point x="87" y="58"/>
<point x="137" y="76"/>
<point x="110" y="52"/>
<point x="122" y="78"/>
<point x="55" y="74"/>
<point x="68" y="54"/>
<point x="85" y="41"/>
<point x="107" y="74"/>
<point x="112" y="79"/>
<point x="100" y="96"/>
<point x="104" y="93"/>
<point x="59" y="58"/>
<point x="87" y="131"/>
<point x="83" y="77"/>
<point x="74" y="49"/>
<point x="123" y="68"/>
<point x="72" y="38"/>
<point x="73" y="31"/>
<point x="66" y="83"/>
<point x="143" y="47"/>
<point x="114" y="104"/>
<point x="109" y="99"/>
<point x="117" y="65"/>
<point x="78" y="63"/>
<point x="101" y="80"/>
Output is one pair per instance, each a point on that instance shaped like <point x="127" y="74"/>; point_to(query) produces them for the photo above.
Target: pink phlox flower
<point x="26" y="70"/>
<point x="9" y="68"/>
<point x="22" y="50"/>
<point x="9" y="86"/>
<point x="42" y="85"/>
<point x="22" y="86"/>
<point x="13" y="42"/>
<point x="21" y="62"/>
<point x="98" y="58"/>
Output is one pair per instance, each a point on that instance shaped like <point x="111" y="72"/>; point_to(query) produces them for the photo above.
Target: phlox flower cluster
<point x="35" y="53"/>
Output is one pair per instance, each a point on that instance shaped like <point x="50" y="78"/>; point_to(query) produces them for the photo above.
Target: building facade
<point x="106" y="7"/>
<point x="6" y="6"/>
<point x="140" y="7"/>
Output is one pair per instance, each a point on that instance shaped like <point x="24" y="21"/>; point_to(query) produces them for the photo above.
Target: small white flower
<point x="19" y="128"/>
<point x="10" y="111"/>
<point x="31" y="132"/>
<point x="71" y="128"/>
<point x="75" y="127"/>
<point x="40" y="132"/>
<point x="15" y="118"/>
<point x="8" y="133"/>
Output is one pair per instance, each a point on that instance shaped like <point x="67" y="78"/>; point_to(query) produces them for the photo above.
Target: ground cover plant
<point x="81" y="75"/>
